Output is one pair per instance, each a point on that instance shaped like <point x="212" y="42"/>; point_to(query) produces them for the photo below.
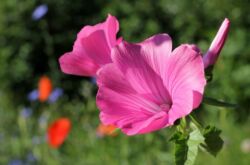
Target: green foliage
<point x="181" y="147"/>
<point x="195" y="139"/>
<point x="186" y="145"/>
<point x="213" y="141"/>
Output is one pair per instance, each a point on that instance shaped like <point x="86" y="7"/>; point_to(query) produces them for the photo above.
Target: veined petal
<point x="111" y="30"/>
<point x="75" y="64"/>
<point x="110" y="76"/>
<point x="214" y="50"/>
<point x="110" y="27"/>
<point x="96" y="48"/>
<point x="185" y="80"/>
<point x="138" y="63"/>
<point x="92" y="48"/>
<point x="118" y="101"/>
<point x="155" y="50"/>
<point x="115" y="92"/>
<point x="153" y="123"/>
<point x="184" y="66"/>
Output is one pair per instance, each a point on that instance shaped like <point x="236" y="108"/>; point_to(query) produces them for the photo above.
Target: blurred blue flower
<point x="39" y="12"/>
<point x="26" y="112"/>
<point x="33" y="95"/>
<point x="15" y="162"/>
<point x="93" y="80"/>
<point x="31" y="157"/>
<point x="56" y="93"/>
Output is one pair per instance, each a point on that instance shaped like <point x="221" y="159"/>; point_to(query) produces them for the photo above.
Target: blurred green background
<point x="30" y="48"/>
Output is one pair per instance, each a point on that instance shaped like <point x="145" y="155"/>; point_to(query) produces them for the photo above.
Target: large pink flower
<point x="148" y="86"/>
<point x="92" y="48"/>
<point x="213" y="52"/>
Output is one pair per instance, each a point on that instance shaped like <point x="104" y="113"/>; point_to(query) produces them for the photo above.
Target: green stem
<point x="214" y="102"/>
<point x="183" y="125"/>
<point x="195" y="121"/>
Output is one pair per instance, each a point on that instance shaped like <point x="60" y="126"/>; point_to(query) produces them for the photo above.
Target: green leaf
<point x="186" y="146"/>
<point x="213" y="141"/>
<point x="214" y="102"/>
<point x="181" y="147"/>
<point x="195" y="139"/>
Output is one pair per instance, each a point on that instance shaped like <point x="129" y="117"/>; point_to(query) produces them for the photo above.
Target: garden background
<point x="30" y="48"/>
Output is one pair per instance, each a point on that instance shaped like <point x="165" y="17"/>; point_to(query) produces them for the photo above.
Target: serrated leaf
<point x="213" y="141"/>
<point x="186" y="146"/>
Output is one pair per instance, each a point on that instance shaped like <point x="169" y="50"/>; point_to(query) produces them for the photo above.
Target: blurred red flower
<point x="106" y="130"/>
<point x="58" y="131"/>
<point x="44" y="88"/>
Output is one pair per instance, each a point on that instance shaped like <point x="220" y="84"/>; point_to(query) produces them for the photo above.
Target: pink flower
<point x="92" y="48"/>
<point x="214" y="50"/>
<point x="148" y="86"/>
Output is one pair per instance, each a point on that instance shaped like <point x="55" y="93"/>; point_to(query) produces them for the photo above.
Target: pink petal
<point x="185" y="80"/>
<point x="111" y="30"/>
<point x="148" y="87"/>
<point x="156" y="49"/>
<point x="75" y="64"/>
<point x="142" y="64"/>
<point x="96" y="48"/>
<point x="214" y="50"/>
<point x="156" y="122"/>
<point x="182" y="105"/>
<point x="110" y="27"/>
<point x="92" y="48"/>
<point x="113" y="89"/>
<point x="118" y="101"/>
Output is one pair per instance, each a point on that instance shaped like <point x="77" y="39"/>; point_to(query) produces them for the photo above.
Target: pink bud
<point x="214" y="50"/>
